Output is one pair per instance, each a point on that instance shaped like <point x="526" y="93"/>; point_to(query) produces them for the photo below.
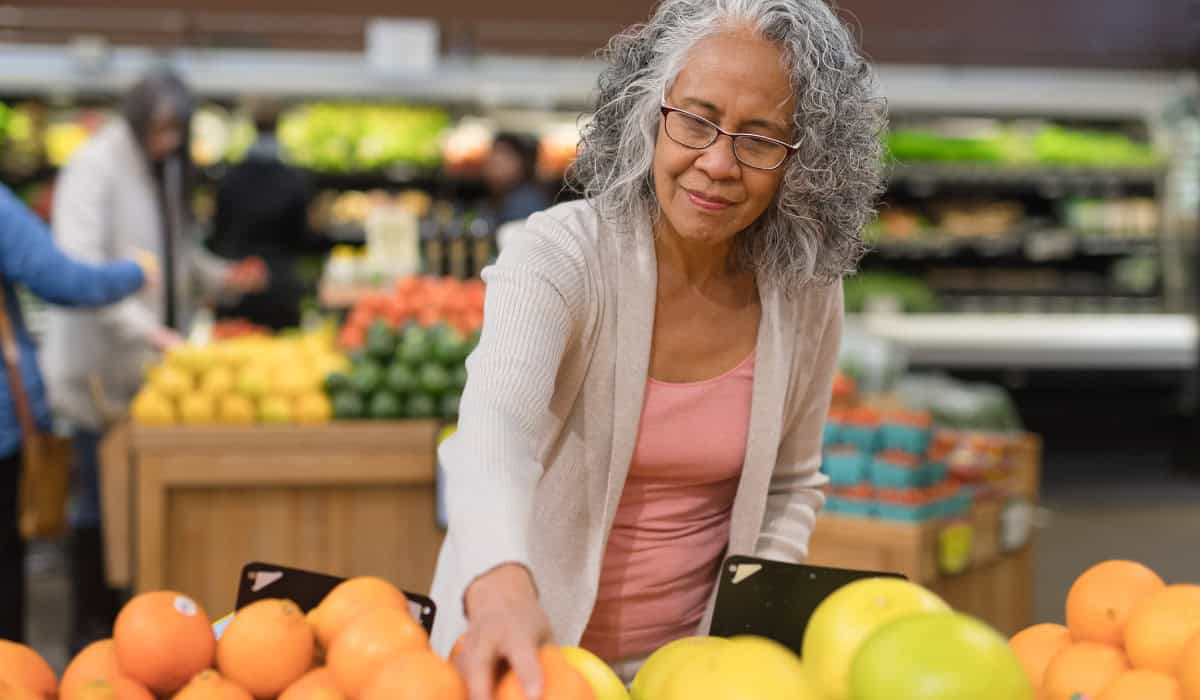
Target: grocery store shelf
<point x="1026" y="245"/>
<point x="1039" y="176"/>
<point x="227" y="73"/>
<point x="494" y="79"/>
<point x="1040" y="341"/>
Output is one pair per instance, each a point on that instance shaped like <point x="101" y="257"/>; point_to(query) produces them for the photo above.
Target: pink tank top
<point x="672" y="525"/>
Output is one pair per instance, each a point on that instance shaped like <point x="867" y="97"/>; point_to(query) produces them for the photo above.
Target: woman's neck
<point x="694" y="262"/>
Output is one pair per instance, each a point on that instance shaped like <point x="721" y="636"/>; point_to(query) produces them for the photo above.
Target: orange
<point x="1161" y="625"/>
<point x="1035" y="646"/>
<point x="115" y="688"/>
<point x="266" y="647"/>
<point x="95" y="663"/>
<point x="209" y="685"/>
<point x="560" y="680"/>
<point x="1083" y="668"/>
<point x="162" y="639"/>
<point x="1140" y="684"/>
<point x="1101" y="599"/>
<point x="12" y="691"/>
<point x="20" y="665"/>
<point x="1188" y="669"/>
<point x="317" y="684"/>
<point x="366" y="643"/>
<point x="418" y="675"/>
<point x="350" y="599"/>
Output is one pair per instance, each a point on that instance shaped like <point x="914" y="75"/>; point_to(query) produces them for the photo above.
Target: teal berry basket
<point x="863" y="437"/>
<point x="846" y="466"/>
<point x="906" y="438"/>
<point x="857" y="507"/>
<point x="893" y="470"/>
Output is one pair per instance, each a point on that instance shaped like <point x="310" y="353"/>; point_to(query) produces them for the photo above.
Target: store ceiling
<point x="1151" y="34"/>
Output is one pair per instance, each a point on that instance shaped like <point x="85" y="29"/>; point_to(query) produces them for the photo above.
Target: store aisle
<point x="1119" y="503"/>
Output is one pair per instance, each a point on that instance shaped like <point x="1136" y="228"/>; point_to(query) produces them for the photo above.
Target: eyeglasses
<point x="753" y="150"/>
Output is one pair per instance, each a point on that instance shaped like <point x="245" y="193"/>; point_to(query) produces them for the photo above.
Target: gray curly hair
<point x="813" y="229"/>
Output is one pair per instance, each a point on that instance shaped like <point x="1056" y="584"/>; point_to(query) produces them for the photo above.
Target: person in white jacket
<point x="124" y="190"/>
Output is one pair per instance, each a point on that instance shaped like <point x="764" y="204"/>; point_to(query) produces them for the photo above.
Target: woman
<point x="29" y="257"/>
<point x="127" y="187"/>
<point x="656" y="361"/>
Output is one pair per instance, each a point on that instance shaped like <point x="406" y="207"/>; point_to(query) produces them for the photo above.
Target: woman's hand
<point x="148" y="262"/>
<point x="506" y="624"/>
<point x="164" y="339"/>
<point x="248" y="275"/>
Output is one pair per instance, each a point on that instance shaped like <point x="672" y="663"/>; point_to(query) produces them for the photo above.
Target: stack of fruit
<point x="244" y="380"/>
<point x="1129" y="636"/>
<point x="348" y="138"/>
<point x="421" y="298"/>
<point x="874" y="639"/>
<point x="361" y="642"/>
<point x="414" y="372"/>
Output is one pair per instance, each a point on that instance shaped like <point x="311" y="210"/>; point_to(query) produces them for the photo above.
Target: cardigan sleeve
<point x="536" y="297"/>
<point x="795" y="494"/>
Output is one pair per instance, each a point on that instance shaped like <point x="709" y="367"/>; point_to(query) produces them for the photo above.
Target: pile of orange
<point x="1129" y="636"/>
<point x="360" y="643"/>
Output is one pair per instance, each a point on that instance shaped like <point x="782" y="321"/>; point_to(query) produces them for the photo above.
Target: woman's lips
<point x="707" y="204"/>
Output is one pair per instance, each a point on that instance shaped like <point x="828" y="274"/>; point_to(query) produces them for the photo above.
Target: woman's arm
<point x="536" y="293"/>
<point x="29" y="256"/>
<point x="795" y="493"/>
<point x="80" y="229"/>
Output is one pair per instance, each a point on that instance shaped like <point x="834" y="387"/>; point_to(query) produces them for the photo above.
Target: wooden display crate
<point x="343" y="498"/>
<point x="997" y="586"/>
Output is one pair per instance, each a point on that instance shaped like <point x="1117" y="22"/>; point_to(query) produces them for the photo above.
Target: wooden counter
<point x="344" y="498"/>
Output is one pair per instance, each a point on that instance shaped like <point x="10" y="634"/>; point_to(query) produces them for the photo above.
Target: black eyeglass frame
<point x="666" y="109"/>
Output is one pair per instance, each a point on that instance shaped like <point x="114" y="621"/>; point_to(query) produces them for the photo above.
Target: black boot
<point x="94" y="603"/>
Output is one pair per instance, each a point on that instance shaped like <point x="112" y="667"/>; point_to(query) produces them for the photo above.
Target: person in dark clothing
<point x="510" y="174"/>
<point x="29" y="257"/>
<point x="262" y="211"/>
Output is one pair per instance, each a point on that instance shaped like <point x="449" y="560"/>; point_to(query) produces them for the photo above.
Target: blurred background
<point x="1038" y="235"/>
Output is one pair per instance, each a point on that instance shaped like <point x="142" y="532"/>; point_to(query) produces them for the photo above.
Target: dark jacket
<point x="262" y="210"/>
<point x="29" y="257"/>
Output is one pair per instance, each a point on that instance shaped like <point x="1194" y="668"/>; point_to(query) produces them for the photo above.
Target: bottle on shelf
<point x="458" y="254"/>
<point x="483" y="236"/>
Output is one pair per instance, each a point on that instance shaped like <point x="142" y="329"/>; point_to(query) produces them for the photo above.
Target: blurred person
<point x="510" y="175"/>
<point x="655" y="368"/>
<point x="29" y="257"/>
<point x="262" y="210"/>
<point x="127" y="187"/>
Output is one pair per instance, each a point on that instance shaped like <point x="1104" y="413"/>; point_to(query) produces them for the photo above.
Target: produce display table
<point x="345" y="498"/>
<point x="352" y="498"/>
<point x="996" y="586"/>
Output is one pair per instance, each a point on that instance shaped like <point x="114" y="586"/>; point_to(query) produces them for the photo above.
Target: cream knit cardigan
<point x="550" y="414"/>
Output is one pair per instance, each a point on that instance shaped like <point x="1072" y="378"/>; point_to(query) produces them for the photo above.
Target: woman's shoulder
<point x="566" y="233"/>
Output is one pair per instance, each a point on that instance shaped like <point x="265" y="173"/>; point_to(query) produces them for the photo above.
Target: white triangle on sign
<point x="262" y="579"/>
<point x="745" y="571"/>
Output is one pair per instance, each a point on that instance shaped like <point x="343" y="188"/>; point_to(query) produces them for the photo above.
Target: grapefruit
<point x="663" y="663"/>
<point x="844" y="620"/>
<point x="604" y="681"/>
<point x="747" y="668"/>
<point x="937" y="656"/>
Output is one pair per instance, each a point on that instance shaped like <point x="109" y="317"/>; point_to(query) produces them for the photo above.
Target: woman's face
<point x="737" y="81"/>
<point x="165" y="133"/>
